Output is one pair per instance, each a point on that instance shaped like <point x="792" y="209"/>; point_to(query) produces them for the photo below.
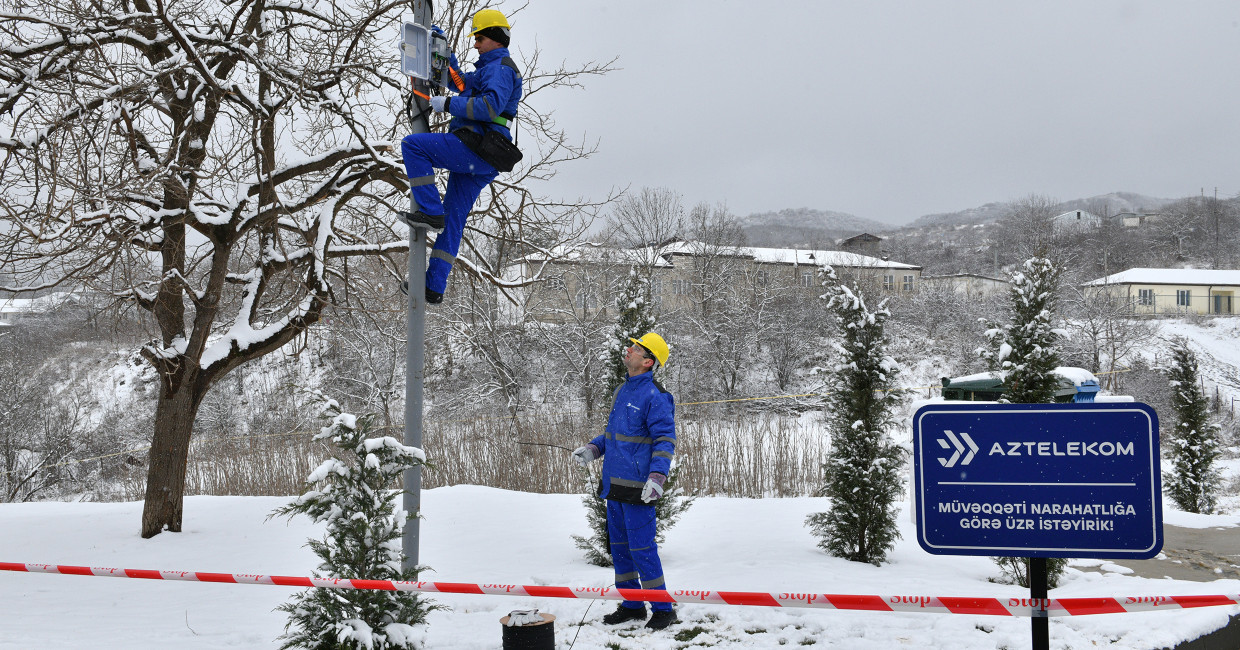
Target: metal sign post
<point x="1038" y="481"/>
<point x="415" y="352"/>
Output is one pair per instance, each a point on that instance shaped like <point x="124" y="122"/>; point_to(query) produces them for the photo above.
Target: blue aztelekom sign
<point x="1038" y="480"/>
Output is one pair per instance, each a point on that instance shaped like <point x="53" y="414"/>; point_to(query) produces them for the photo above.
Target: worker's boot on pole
<point x="419" y="219"/>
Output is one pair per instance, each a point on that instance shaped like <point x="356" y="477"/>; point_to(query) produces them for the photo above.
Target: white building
<point x="1076" y="220"/>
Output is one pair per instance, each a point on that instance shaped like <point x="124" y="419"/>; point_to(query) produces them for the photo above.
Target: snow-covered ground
<point x="476" y="534"/>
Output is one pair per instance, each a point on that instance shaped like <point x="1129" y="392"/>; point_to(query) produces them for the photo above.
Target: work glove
<point x="583" y="455"/>
<point x="654" y="487"/>
<point x="437" y="29"/>
<point x="438" y="101"/>
<point x="521" y="617"/>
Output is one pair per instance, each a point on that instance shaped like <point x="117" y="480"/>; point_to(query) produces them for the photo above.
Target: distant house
<point x="1172" y="291"/>
<point x="1076" y="220"/>
<point x="865" y="243"/>
<point x="968" y="284"/>
<point x="14" y="309"/>
<point x="1137" y="219"/>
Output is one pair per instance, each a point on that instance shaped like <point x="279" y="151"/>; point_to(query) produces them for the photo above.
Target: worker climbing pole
<point x="476" y="149"/>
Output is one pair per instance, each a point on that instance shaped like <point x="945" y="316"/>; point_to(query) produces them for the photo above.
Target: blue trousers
<point x="634" y="552"/>
<point x="467" y="176"/>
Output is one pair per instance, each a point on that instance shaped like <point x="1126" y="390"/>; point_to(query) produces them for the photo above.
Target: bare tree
<point x="1028" y="228"/>
<point x="722" y="315"/>
<point x="214" y="165"/>
<point x="575" y="314"/>
<point x="651" y="218"/>
<point x="1105" y="335"/>
<point x="788" y="327"/>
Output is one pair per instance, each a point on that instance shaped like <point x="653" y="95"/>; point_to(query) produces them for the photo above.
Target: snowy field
<point x="476" y="534"/>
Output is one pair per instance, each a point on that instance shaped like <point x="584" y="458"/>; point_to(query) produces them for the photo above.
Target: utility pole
<point x="415" y="340"/>
<point x="1214" y="211"/>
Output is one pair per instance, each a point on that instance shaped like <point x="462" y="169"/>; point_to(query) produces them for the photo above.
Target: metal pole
<point x="415" y="367"/>
<point x="415" y="341"/>
<point x="1039" y="623"/>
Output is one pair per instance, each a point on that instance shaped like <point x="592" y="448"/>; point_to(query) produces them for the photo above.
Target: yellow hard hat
<point x="489" y="18"/>
<point x="656" y="345"/>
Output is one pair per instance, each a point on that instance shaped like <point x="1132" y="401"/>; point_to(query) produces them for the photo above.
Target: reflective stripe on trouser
<point x="634" y="552"/>
<point x="468" y="175"/>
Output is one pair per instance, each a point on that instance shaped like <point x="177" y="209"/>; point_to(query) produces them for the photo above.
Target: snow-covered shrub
<point x="355" y="496"/>
<point x="863" y="476"/>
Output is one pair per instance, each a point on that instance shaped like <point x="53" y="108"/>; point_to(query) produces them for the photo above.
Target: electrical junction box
<point x="415" y="51"/>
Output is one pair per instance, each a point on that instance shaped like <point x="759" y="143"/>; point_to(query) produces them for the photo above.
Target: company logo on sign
<point x="960" y="448"/>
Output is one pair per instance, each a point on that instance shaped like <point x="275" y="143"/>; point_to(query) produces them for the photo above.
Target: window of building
<point x="586" y="299"/>
<point x="1183" y="297"/>
<point x="555" y="283"/>
<point x="1145" y="296"/>
<point x="761" y="278"/>
<point x="807" y="278"/>
<point x="908" y="283"/>
<point x="680" y="287"/>
<point x="889" y="282"/>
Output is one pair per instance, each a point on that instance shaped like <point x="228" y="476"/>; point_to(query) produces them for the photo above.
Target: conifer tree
<point x="355" y="496"/>
<point x="636" y="318"/>
<point x="1026" y="352"/>
<point x="1193" y="444"/>
<point x="863" y="477"/>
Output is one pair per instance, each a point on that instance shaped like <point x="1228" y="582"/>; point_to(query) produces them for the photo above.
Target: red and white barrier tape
<point x="928" y="604"/>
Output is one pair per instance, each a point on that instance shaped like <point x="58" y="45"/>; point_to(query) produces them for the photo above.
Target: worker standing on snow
<point x="469" y="151"/>
<point x="637" y="450"/>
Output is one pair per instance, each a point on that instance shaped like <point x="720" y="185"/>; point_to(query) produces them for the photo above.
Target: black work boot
<point x="419" y="219"/>
<point x="623" y="614"/>
<point x="432" y="297"/>
<point x="660" y="620"/>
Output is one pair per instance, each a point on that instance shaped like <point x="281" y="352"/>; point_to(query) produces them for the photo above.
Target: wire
<point x="582" y="622"/>
<point x="543" y="444"/>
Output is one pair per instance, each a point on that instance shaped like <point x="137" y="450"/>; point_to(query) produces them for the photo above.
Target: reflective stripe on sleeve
<point x="445" y="256"/>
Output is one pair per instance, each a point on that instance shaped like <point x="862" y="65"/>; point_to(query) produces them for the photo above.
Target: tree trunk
<point x="165" y="478"/>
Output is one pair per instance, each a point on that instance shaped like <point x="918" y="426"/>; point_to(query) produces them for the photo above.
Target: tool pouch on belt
<point x="623" y="494"/>
<point x="492" y="147"/>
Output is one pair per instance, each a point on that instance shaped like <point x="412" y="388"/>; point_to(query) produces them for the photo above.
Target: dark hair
<point x="650" y="355"/>
<point x="496" y="33"/>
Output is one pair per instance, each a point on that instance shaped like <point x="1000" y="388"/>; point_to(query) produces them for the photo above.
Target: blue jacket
<point x="491" y="90"/>
<point x="639" y="440"/>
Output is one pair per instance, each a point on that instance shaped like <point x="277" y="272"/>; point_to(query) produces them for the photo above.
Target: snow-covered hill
<point x="805" y="228"/>
<point x="1112" y="203"/>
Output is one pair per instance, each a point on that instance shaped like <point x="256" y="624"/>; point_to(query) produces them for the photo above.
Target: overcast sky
<point x="894" y="109"/>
